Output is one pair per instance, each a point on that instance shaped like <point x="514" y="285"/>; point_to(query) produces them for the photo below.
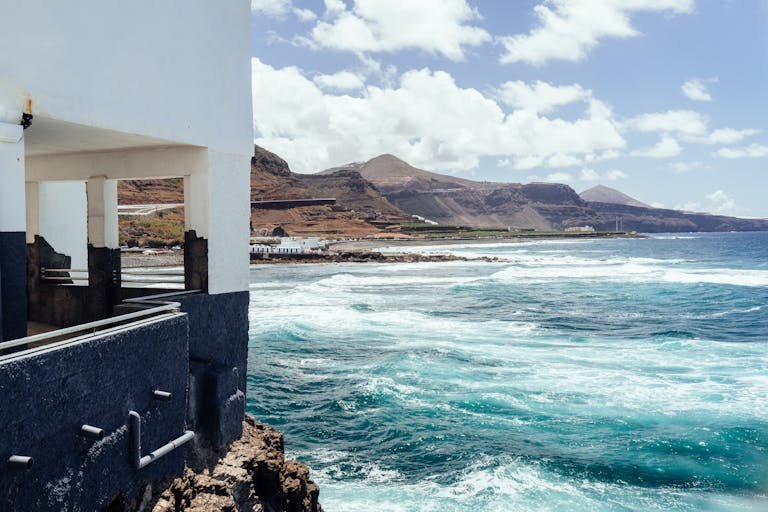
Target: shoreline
<point x="370" y="251"/>
<point x="365" y="256"/>
<point x="378" y="243"/>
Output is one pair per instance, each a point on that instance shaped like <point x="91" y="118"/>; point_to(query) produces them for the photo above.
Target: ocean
<point x="590" y="375"/>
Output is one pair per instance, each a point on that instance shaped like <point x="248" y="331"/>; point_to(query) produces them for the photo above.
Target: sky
<point x="664" y="100"/>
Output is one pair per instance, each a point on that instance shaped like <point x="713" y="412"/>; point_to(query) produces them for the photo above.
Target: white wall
<point x="104" y="79"/>
<point x="12" y="189"/>
<point x="62" y="220"/>
<point x="177" y="70"/>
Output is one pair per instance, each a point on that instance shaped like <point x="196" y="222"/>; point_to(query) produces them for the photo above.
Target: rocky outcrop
<point x="361" y="256"/>
<point x="659" y="220"/>
<point x="253" y="476"/>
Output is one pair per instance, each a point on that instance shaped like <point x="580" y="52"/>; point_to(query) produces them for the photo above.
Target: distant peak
<point x="387" y="157"/>
<point x="603" y="194"/>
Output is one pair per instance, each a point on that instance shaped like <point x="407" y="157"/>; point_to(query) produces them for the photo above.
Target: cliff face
<point x="252" y="477"/>
<point x="358" y="201"/>
<point x="458" y="201"/>
<point x="387" y="191"/>
<point x="658" y="220"/>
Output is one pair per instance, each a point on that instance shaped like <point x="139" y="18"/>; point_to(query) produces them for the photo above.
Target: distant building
<point x="289" y="245"/>
<point x="580" y="229"/>
<point x="93" y="92"/>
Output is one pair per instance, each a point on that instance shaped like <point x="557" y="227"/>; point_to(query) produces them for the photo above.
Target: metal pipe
<point x="172" y="306"/>
<point x="73" y="278"/>
<point x="137" y="461"/>
<point x="162" y="395"/>
<point x="183" y="439"/>
<point x="155" y="281"/>
<point x="155" y="299"/>
<point x="137" y="273"/>
<point x="44" y="269"/>
<point x="20" y="462"/>
<point x="91" y="431"/>
<point x="134" y="427"/>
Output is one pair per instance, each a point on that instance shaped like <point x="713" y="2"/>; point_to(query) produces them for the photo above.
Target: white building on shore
<point x="93" y="92"/>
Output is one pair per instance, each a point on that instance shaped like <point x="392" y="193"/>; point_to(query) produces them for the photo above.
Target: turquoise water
<point x="584" y="375"/>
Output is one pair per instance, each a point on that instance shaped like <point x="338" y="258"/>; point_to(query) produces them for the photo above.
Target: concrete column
<point x="217" y="214"/>
<point x="32" y="189"/>
<point x="103" y="247"/>
<point x="196" y="231"/>
<point x="13" y="252"/>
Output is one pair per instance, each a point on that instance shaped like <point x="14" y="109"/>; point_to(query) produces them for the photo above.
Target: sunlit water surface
<point x="583" y="375"/>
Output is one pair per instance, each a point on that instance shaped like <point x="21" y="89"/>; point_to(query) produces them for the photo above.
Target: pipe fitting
<point x="92" y="432"/>
<point x="20" y="462"/>
<point x="162" y="395"/>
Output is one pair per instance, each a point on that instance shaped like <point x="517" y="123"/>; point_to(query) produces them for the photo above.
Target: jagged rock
<point x="253" y="476"/>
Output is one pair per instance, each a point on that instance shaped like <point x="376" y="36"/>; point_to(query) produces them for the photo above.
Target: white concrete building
<point x="119" y="90"/>
<point x="93" y="92"/>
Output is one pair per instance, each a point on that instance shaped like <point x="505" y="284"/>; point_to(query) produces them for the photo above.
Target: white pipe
<point x="171" y="306"/>
<point x="137" y="461"/>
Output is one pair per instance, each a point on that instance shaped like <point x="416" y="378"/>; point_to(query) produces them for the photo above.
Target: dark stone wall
<point x="62" y="305"/>
<point x="50" y="304"/>
<point x="13" y="285"/>
<point x="45" y="399"/>
<point x="195" y="262"/>
<point x="103" y="281"/>
<point x="218" y="350"/>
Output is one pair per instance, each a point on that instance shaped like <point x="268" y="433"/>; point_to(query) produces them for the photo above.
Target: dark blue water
<point x="589" y="375"/>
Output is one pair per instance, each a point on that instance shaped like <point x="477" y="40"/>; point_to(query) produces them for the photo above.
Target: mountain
<point x="376" y="197"/>
<point x="358" y="202"/>
<point x="603" y="194"/>
<point x="611" y="206"/>
<point x="389" y="173"/>
<point x="458" y="201"/>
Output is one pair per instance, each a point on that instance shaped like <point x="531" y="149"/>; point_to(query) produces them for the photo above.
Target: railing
<point x="134" y="276"/>
<point x="161" y="305"/>
<point x="45" y="274"/>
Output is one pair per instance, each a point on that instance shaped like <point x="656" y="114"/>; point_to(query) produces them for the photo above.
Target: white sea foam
<point x="512" y="485"/>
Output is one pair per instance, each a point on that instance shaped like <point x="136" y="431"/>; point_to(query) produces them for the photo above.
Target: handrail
<point x="169" y="306"/>
<point x="78" y="270"/>
<point x="139" y="273"/>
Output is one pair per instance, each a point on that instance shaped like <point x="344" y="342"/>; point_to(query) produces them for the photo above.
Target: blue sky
<point x="662" y="99"/>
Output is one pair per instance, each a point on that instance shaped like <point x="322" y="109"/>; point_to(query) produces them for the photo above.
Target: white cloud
<point x="333" y="7"/>
<point x="667" y="147"/>
<point x="434" y="26"/>
<point x="696" y="90"/>
<point x="682" y="167"/>
<point x="559" y="177"/>
<point x="730" y="135"/>
<point x="274" y="8"/>
<point x="540" y="96"/>
<point x="615" y="175"/>
<point x="752" y="151"/>
<point x="722" y="202"/>
<point x="425" y="118"/>
<point x="611" y="175"/>
<point x="685" y="122"/>
<point x="569" y="29"/>
<point x="690" y="206"/>
<point x="341" y="81"/>
<point x="304" y="15"/>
